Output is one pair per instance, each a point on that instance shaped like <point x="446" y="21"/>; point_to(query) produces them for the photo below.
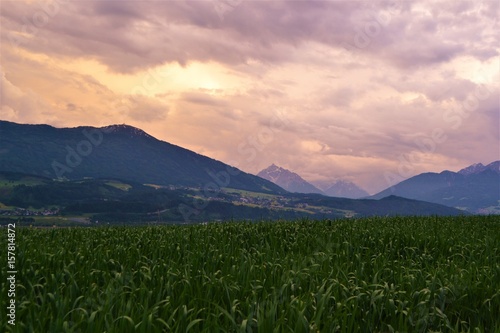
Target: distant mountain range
<point x="117" y="151"/>
<point x="288" y="180"/>
<point x="342" y="188"/>
<point x="120" y="173"/>
<point x="475" y="188"/>
<point x="292" y="182"/>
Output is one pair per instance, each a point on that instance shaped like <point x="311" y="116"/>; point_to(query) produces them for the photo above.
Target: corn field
<point x="417" y="274"/>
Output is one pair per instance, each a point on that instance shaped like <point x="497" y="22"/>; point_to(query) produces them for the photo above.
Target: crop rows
<point x="416" y="274"/>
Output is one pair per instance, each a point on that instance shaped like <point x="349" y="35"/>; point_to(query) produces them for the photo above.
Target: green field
<point x="434" y="274"/>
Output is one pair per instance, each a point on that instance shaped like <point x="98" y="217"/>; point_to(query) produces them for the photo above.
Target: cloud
<point x="407" y="34"/>
<point x="143" y="108"/>
<point x="356" y="83"/>
<point x="34" y="90"/>
<point x="202" y="99"/>
<point x="19" y="105"/>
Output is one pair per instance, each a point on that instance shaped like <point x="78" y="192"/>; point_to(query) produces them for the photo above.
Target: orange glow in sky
<point x="358" y="85"/>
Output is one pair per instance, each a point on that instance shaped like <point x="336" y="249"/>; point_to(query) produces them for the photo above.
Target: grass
<point x="119" y="185"/>
<point x="27" y="182"/>
<point x="5" y="207"/>
<point x="426" y="274"/>
<point x="51" y="221"/>
<point x="154" y="186"/>
<point x="249" y="194"/>
<point x="24" y="180"/>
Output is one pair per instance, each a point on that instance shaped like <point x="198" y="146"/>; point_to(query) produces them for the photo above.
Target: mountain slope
<point x="479" y="167"/>
<point x="117" y="151"/>
<point x="288" y="180"/>
<point x="119" y="201"/>
<point x="388" y="206"/>
<point x="342" y="189"/>
<point x="475" y="188"/>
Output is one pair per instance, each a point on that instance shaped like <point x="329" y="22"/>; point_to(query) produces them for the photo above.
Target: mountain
<point x="117" y="151"/>
<point x="479" y="167"/>
<point x="475" y="188"/>
<point x="119" y="173"/>
<point x="288" y="180"/>
<point x="342" y="189"/>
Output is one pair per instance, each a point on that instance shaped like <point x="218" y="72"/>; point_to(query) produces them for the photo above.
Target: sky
<point x="368" y="91"/>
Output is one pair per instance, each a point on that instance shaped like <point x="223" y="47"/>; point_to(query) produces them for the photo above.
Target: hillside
<point x="119" y="201"/>
<point x="117" y="151"/>
<point x="121" y="174"/>
<point x="475" y="188"/>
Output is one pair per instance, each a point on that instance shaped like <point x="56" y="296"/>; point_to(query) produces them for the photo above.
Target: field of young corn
<point x="420" y="274"/>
